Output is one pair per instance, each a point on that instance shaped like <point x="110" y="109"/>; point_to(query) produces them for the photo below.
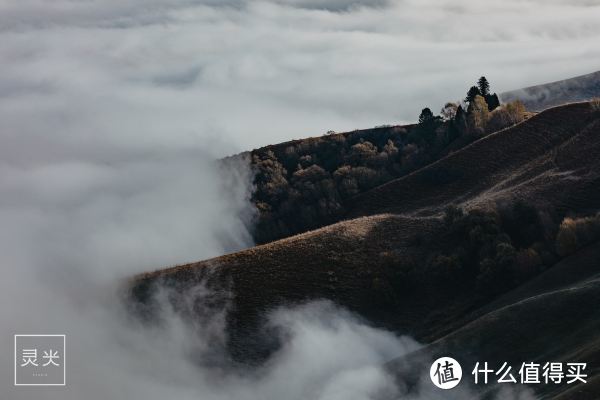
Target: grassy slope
<point x="554" y="317"/>
<point x="523" y="160"/>
<point x="553" y="158"/>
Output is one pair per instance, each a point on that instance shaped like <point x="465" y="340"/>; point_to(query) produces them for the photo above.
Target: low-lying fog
<point x="113" y="113"/>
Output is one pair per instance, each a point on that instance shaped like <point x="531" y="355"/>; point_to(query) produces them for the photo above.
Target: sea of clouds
<point x="112" y="114"/>
<point x="186" y="73"/>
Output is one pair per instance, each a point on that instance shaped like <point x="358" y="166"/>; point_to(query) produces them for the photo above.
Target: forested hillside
<point x="306" y="184"/>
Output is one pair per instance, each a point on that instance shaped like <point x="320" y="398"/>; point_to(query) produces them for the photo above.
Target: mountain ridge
<point x="540" y="97"/>
<point x="392" y="260"/>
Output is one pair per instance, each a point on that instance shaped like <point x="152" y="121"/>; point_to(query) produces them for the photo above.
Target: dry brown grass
<point x="502" y="164"/>
<point x="552" y="159"/>
<point x="550" y="314"/>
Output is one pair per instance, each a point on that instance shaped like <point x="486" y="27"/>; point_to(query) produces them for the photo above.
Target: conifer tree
<point x="426" y="115"/>
<point x="472" y="93"/>
<point x="493" y="101"/>
<point x="484" y="86"/>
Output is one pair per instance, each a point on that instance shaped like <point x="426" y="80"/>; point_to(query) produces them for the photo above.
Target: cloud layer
<point x="114" y="111"/>
<point x="253" y="73"/>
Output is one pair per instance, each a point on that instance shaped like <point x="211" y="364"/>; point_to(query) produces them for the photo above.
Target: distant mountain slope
<point x="541" y="97"/>
<point x="534" y="160"/>
<point x="380" y="262"/>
